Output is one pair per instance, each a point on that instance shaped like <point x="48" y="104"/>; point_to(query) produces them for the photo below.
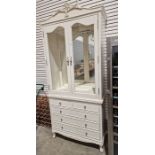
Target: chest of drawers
<point x="78" y="120"/>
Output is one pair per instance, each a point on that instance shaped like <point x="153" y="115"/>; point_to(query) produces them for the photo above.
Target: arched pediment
<point x="69" y="11"/>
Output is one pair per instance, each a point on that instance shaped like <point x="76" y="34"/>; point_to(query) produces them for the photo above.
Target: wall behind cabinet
<point x="44" y="9"/>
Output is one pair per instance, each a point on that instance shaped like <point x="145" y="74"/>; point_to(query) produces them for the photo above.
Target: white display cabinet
<point x="72" y="44"/>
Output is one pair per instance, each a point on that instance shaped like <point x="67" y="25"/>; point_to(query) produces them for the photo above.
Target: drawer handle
<point x="86" y="134"/>
<point x="60" y="112"/>
<point x="85" y="107"/>
<point x="85" y="116"/>
<point x="85" y="125"/>
<point x="60" y="103"/>
<point x="61" y="120"/>
<point x="62" y="128"/>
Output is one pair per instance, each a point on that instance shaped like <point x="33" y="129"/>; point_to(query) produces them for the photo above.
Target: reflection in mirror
<point x="84" y="58"/>
<point x="56" y="42"/>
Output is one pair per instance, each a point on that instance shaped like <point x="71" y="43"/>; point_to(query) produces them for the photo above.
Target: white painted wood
<point x="45" y="9"/>
<point x="76" y="113"/>
<point x="91" y="126"/>
<point x="78" y="136"/>
<point x="101" y="149"/>
<point x="55" y="5"/>
<point x="77" y="122"/>
<point x="69" y="12"/>
<point x="54" y="135"/>
<point x="86" y="57"/>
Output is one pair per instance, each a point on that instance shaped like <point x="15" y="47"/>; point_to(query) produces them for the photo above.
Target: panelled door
<point x="58" y="57"/>
<point x="72" y="52"/>
<point x="83" y="41"/>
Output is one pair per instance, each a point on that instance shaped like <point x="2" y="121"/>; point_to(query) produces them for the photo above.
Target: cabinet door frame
<point x="85" y="20"/>
<point x="50" y="29"/>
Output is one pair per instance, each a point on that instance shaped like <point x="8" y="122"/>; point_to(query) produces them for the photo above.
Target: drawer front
<point x="76" y="131"/>
<point x="91" y="135"/>
<point x="86" y="107"/>
<point x="76" y="122"/>
<point x="61" y="103"/>
<point x="91" y="117"/>
<point x="77" y="114"/>
<point x="61" y="111"/>
<point x="90" y="125"/>
<point x="67" y="120"/>
<point x="66" y="128"/>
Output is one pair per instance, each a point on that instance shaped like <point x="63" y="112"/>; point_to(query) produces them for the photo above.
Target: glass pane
<point x="84" y="58"/>
<point x="56" y="41"/>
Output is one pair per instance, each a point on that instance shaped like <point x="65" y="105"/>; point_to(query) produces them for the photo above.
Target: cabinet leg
<point x="54" y="135"/>
<point x="101" y="149"/>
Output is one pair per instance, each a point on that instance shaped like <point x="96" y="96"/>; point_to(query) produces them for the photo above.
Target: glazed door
<point x="58" y="57"/>
<point x="83" y="55"/>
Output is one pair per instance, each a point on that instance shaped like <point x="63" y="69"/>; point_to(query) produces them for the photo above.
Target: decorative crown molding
<point x="66" y="11"/>
<point x="67" y="8"/>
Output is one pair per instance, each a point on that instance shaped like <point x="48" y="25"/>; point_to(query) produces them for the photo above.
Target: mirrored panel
<point x="84" y="58"/>
<point x="56" y="42"/>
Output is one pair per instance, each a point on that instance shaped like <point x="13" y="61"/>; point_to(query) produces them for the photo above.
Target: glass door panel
<point x="57" y="53"/>
<point x="84" y="58"/>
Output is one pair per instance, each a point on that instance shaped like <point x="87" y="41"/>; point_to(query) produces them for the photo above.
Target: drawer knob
<point x="86" y="134"/>
<point x="60" y="103"/>
<point x="85" y="116"/>
<point x="61" y="120"/>
<point x="85" y="125"/>
<point x="60" y="112"/>
<point x="85" y="107"/>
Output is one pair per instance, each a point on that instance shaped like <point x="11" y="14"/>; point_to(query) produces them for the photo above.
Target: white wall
<point x="44" y="10"/>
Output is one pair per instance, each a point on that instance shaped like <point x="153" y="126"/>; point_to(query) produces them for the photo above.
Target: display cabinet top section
<point x="71" y="11"/>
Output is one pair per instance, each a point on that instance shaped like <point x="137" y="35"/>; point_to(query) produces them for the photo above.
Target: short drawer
<point x="91" y="117"/>
<point x="65" y="128"/>
<point x="90" y="125"/>
<point x="62" y="111"/>
<point x="68" y="120"/>
<point x="91" y="135"/>
<point x="86" y="107"/>
<point x="61" y="103"/>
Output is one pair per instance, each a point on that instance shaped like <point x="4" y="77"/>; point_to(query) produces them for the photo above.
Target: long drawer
<point x="76" y="122"/>
<point x="76" y="131"/>
<point x="75" y="105"/>
<point x="76" y="113"/>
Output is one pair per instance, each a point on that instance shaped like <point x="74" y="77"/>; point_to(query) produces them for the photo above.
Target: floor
<point x="47" y="145"/>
